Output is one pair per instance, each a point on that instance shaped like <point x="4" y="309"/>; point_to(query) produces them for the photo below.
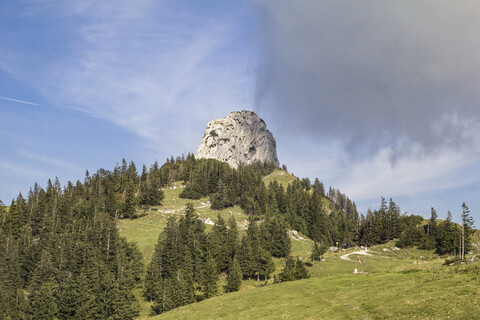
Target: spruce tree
<point x="467" y="223"/>
<point x="3" y="213"/>
<point x="294" y="269"/>
<point x="288" y="271"/>
<point x="234" y="277"/>
<point x="300" y="270"/>
<point x="445" y="243"/>
<point x="431" y="230"/>
<point x="317" y="251"/>
<point x="130" y="201"/>
<point x="218" y="242"/>
<point x="264" y="263"/>
<point x="42" y="302"/>
<point x="246" y="257"/>
<point x="276" y="238"/>
<point x="124" y="303"/>
<point x="210" y="277"/>
<point x="68" y="298"/>
<point x="186" y="281"/>
<point x="232" y="238"/>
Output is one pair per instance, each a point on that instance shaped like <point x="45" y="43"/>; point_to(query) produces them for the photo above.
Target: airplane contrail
<point x="19" y="101"/>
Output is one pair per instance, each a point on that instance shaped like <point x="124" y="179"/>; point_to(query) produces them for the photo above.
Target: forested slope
<point x="197" y="228"/>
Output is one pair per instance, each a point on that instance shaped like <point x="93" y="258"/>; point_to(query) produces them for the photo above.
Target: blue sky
<point x="374" y="98"/>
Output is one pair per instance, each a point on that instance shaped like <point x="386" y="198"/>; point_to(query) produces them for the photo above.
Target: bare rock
<point x="239" y="138"/>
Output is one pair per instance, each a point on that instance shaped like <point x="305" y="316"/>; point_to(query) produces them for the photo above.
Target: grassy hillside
<point x="396" y="284"/>
<point x="433" y="294"/>
<point x="145" y="230"/>
<point x="282" y="177"/>
<point x="393" y="283"/>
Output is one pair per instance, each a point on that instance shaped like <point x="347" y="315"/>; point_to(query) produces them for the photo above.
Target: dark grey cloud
<point x="371" y="73"/>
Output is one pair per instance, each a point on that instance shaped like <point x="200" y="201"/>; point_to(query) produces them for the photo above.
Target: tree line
<point x="445" y="237"/>
<point x="187" y="262"/>
<point x="61" y="256"/>
<point x="327" y="218"/>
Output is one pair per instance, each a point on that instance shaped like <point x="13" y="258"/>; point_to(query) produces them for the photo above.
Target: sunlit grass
<point x="405" y="283"/>
<point x="432" y="294"/>
<point x="282" y="177"/>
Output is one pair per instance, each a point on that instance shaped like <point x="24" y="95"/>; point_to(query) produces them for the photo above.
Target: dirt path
<point x="363" y="253"/>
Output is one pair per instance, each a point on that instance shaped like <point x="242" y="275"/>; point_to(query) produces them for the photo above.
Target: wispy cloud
<point x="19" y="101"/>
<point x="156" y="69"/>
<point x="375" y="98"/>
<point x="443" y="177"/>
<point x="411" y="175"/>
<point x="23" y="171"/>
<point x="49" y="160"/>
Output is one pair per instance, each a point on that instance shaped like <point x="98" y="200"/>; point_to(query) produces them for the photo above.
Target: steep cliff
<point x="239" y="138"/>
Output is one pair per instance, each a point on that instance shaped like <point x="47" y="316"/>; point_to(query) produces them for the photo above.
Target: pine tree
<point x="246" y="257"/>
<point x="42" y="302"/>
<point x="446" y="243"/>
<point x="288" y="271"/>
<point x="187" y="284"/>
<point x="68" y="298"/>
<point x="232" y="238"/>
<point x="130" y="202"/>
<point x="255" y="260"/>
<point x="430" y="240"/>
<point x="3" y="213"/>
<point x="294" y="269"/>
<point x="210" y="277"/>
<point x="467" y="223"/>
<point x="265" y="265"/>
<point x="234" y="278"/>
<point x="393" y="220"/>
<point x="318" y="187"/>
<point x="432" y="223"/>
<point x="9" y="277"/>
<point x="12" y="220"/>
<point x="275" y="238"/>
<point x="300" y="270"/>
<point x="218" y="241"/>
<point x="88" y="286"/>
<point x="124" y="303"/>
<point x="317" y="251"/>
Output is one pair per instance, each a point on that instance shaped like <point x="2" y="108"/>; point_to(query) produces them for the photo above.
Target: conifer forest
<point x="61" y="255"/>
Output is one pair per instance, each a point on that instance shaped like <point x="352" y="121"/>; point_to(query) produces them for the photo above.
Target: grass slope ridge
<point x="433" y="294"/>
<point x="281" y="176"/>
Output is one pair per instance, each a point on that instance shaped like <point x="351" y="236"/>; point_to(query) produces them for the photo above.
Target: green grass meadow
<point x="393" y="283"/>
<point x="282" y="177"/>
<point x="433" y="294"/>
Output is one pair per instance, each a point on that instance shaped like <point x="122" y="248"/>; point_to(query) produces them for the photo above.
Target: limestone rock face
<point x="239" y="138"/>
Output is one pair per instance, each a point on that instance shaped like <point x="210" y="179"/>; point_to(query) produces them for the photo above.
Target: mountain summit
<point x="239" y="138"/>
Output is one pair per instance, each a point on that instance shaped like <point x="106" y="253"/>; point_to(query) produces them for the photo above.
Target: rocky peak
<point x="239" y="138"/>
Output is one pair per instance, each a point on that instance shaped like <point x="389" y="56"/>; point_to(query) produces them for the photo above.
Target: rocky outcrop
<point x="239" y="138"/>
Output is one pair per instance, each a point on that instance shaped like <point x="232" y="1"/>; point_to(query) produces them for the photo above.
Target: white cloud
<point x="17" y="170"/>
<point x="411" y="175"/>
<point x="50" y="160"/>
<point x="19" y="101"/>
<point x="383" y="95"/>
<point x="155" y="72"/>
